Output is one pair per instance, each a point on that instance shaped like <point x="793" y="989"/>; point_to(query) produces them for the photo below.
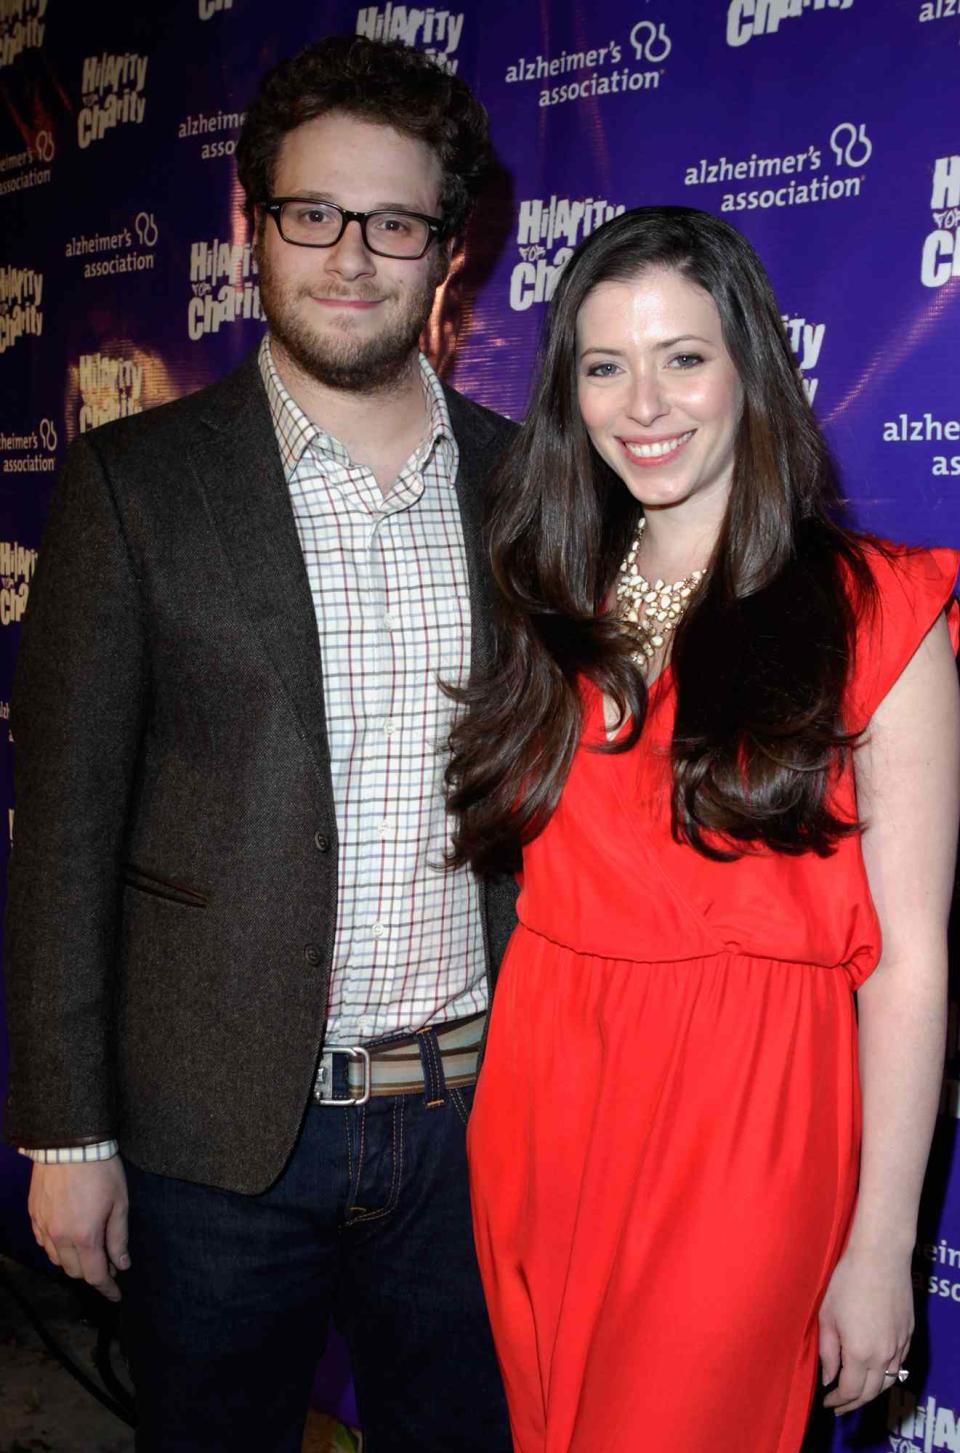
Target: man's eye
<point x="393" y="223"/>
<point x="314" y="216"/>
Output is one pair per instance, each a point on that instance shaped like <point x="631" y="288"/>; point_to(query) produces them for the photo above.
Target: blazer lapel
<point x="238" y="467"/>
<point x="475" y="464"/>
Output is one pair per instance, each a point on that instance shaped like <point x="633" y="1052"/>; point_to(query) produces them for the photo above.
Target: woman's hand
<point x="866" y="1323"/>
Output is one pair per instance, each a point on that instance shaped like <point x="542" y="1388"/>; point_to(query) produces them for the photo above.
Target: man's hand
<point x="79" y="1217"/>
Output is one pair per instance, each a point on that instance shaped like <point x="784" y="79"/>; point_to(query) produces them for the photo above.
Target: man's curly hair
<point x="380" y="82"/>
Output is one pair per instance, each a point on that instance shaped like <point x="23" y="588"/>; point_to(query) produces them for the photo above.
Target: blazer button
<point x="313" y="955"/>
<point x="321" y="842"/>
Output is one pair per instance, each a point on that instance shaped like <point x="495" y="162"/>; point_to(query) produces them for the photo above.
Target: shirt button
<point x="321" y="842"/>
<point x="378" y="930"/>
<point x="390" y="621"/>
<point x="389" y="727"/>
<point x="313" y="955"/>
<point x="383" y="827"/>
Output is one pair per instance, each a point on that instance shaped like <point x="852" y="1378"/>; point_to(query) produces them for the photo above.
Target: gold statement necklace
<point x="654" y="610"/>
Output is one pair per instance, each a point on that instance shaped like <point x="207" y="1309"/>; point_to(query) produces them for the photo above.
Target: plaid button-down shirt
<point x="389" y="584"/>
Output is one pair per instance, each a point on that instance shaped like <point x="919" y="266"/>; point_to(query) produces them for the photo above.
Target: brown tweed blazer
<point x="172" y="905"/>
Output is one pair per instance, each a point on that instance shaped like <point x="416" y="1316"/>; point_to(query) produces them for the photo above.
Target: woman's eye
<point x="601" y="370"/>
<point x="686" y="360"/>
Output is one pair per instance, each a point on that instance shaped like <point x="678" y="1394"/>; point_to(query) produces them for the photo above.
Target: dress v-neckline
<point x="653" y="693"/>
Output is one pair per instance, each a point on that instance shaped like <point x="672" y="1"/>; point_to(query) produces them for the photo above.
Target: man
<point x="232" y="946"/>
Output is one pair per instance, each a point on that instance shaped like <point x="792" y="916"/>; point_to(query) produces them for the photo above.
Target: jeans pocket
<point x="462" y="1100"/>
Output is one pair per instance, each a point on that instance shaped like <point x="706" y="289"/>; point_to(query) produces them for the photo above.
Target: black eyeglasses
<point x="308" y="223"/>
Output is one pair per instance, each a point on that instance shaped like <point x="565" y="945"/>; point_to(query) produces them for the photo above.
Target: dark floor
<point x="41" y="1406"/>
<point x="43" y="1409"/>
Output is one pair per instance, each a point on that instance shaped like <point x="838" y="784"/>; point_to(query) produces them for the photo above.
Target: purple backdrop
<point x="828" y="130"/>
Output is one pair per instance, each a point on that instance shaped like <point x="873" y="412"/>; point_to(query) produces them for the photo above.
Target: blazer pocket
<point x="145" y="882"/>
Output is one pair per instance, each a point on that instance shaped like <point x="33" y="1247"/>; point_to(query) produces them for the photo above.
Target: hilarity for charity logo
<point x="926" y="1426"/>
<point x="547" y="234"/>
<point x="21" y="294"/>
<point x="207" y="9"/>
<point x="940" y="257"/>
<point x="436" y="32"/>
<point x="112" y="87"/>
<point x="110" y="388"/>
<point x="22" y="27"/>
<point x="806" y="340"/>
<point x="17" y="564"/>
<point x="746" y="19"/>
<point x="224" y="286"/>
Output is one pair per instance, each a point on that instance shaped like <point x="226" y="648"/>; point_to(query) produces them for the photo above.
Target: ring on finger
<point x="900" y="1374"/>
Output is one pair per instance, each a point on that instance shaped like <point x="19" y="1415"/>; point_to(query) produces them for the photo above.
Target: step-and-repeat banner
<point x="827" y="130"/>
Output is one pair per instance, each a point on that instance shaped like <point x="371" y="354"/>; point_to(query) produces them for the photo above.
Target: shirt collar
<point x="296" y="433"/>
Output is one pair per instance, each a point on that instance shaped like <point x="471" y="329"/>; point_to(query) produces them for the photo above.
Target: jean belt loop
<point x="434" y="1081"/>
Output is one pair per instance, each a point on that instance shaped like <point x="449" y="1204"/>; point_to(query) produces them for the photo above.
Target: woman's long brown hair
<point x="761" y="658"/>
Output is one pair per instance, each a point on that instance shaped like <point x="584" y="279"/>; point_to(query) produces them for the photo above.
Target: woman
<point x="729" y="790"/>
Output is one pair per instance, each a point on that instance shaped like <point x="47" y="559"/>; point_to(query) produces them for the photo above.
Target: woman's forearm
<point x="902" y="1012"/>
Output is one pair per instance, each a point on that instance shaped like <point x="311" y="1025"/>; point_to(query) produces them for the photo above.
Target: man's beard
<point x="344" y="361"/>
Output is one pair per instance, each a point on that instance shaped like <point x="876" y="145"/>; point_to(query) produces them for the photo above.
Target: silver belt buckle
<point x="357" y="1052"/>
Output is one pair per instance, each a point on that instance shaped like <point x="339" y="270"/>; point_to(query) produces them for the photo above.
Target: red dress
<point x="665" y="1139"/>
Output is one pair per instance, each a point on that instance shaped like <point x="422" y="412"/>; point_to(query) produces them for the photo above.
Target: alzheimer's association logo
<point x="939" y="10"/>
<point x="598" y="70"/>
<point x="20" y="170"/>
<point x="792" y="178"/>
<point x="130" y="249"/>
<point x="203" y="123"/>
<point x="32" y="452"/>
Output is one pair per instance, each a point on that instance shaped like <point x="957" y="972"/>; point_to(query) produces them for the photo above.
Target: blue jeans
<point x="229" y="1297"/>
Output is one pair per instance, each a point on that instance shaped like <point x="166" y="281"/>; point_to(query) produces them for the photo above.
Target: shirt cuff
<point x="72" y="1154"/>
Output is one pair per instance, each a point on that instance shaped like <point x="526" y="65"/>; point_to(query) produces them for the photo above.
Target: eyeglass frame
<point x="436" y="230"/>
